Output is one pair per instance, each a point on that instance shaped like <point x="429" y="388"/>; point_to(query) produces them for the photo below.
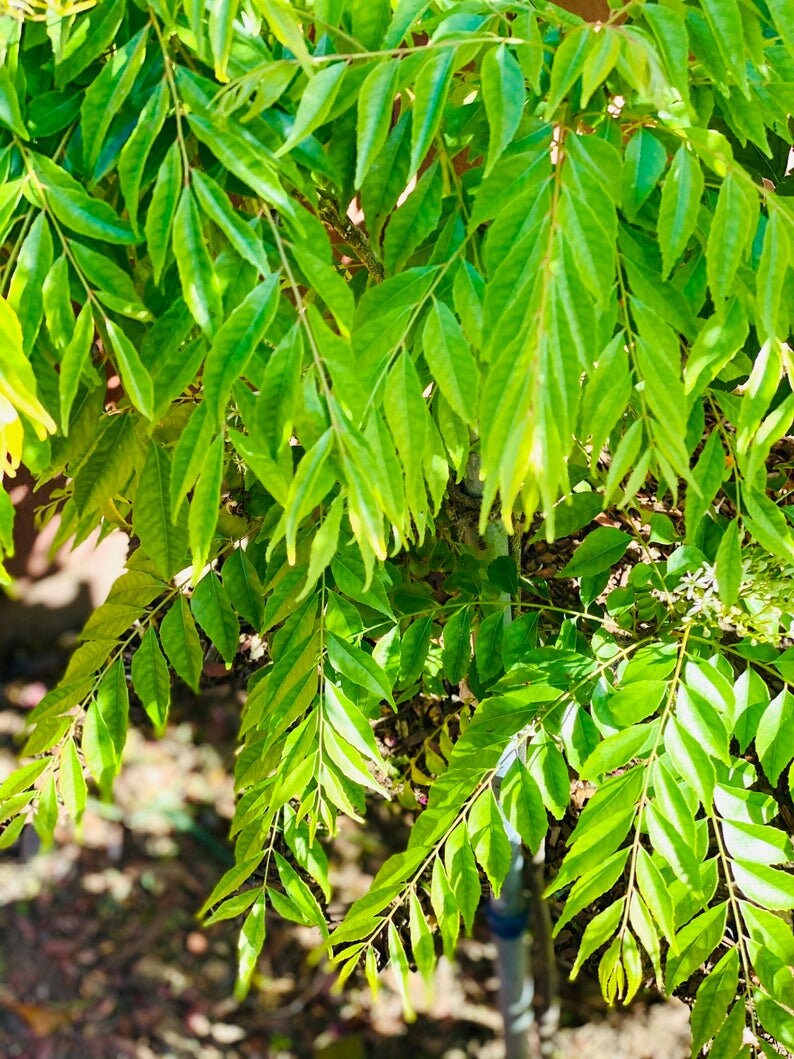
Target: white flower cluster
<point x="764" y="609"/>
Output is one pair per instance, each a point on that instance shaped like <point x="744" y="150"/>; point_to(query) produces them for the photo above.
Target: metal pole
<point x="507" y="914"/>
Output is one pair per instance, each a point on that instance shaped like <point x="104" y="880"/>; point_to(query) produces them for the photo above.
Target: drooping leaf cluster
<point x="280" y="283"/>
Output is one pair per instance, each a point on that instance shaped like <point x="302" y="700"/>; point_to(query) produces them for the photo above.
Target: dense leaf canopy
<point x="306" y="297"/>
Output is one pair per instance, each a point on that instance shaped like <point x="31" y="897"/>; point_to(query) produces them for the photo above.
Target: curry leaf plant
<point x="336" y="256"/>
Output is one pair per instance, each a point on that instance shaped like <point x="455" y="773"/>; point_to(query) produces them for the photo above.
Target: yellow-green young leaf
<point x="151" y="679"/>
<point x="672" y="39"/>
<point x="597" y="932"/>
<point x="414" y="221"/>
<point x="221" y="34"/>
<point x="71" y="781"/>
<point x="136" y="150"/>
<point x="602" y="54"/>
<point x="113" y="702"/>
<point x="279" y="391"/>
<point x="359" y="667"/>
<point x="725" y="19"/>
<point x="203" y="513"/>
<point x="236" y="151"/>
<point x="114" y="286"/>
<point x="550" y="772"/>
<point x="375" y="103"/>
<point x="678" y="212"/>
<point x="300" y="894"/>
<point x="17" y="803"/>
<point x="772" y="269"/>
<point x="98" y="749"/>
<point x="775" y="1018"/>
<point x="188" y="456"/>
<point x="430" y="96"/>
<point x="769" y="887"/>
<point x="654" y="890"/>
<point x="464" y="879"/>
<point x="76" y="209"/>
<point x="445" y="907"/>
<point x="783" y="18"/>
<point x="10" y="194"/>
<point x="644" y="164"/>
<point x="568" y="63"/>
<point x="632" y="965"/>
<point x="56" y="297"/>
<point x="503" y="96"/>
<point x="324" y="544"/>
<point x="451" y="361"/>
<point x="728" y="565"/>
<point x="161" y="539"/>
<point x="691" y="761"/>
<point x="407" y="416"/>
<point x="695" y="943"/>
<point x="76" y="357"/>
<point x="623" y="458"/>
<point x="422" y="946"/>
<point x="371" y="971"/>
<point x="91" y="36"/>
<point x="110" y="466"/>
<point x="22" y="778"/>
<point x="135" y="378"/>
<point x="310" y="478"/>
<point x="399" y="962"/>
<point x="708" y="473"/>
<point x="731" y="232"/>
<point x="350" y="723"/>
<point x="271" y="474"/>
<point x="772" y="741"/>
<point x="456" y="652"/>
<point x="233" y="907"/>
<point x="647" y="934"/>
<point x="249" y="945"/>
<point x="329" y="284"/>
<point x="600" y="550"/>
<point x="231" y="880"/>
<point x="488" y="839"/>
<point x="106" y="94"/>
<point x="767" y="523"/>
<point x="181" y="642"/>
<point x="244" y="588"/>
<point x="25" y="293"/>
<point x="46" y="815"/>
<point x="596" y="882"/>
<point x="214" y="202"/>
<point x="196" y="273"/>
<point x="414" y="650"/>
<point x="758" y="392"/>
<point x="10" y="114"/>
<point x="160" y="215"/>
<point x="523" y="805"/>
<point x="315" y="104"/>
<point x="213" y="611"/>
<point x="488" y="645"/>
<point x="286" y="29"/>
<point x="617" y="749"/>
<point x="12" y="831"/>
<point x="350" y="762"/>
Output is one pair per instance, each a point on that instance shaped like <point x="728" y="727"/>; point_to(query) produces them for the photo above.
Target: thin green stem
<point x="175" y="98"/>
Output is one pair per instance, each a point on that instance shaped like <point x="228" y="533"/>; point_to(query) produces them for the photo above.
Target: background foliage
<point x="272" y="274"/>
